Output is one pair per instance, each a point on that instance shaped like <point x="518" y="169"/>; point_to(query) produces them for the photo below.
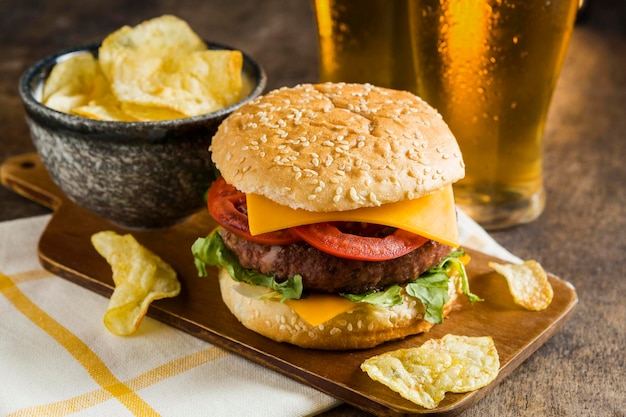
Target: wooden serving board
<point x="65" y="250"/>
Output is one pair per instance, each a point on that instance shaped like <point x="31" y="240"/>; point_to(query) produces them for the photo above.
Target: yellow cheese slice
<point x="316" y="308"/>
<point x="432" y="216"/>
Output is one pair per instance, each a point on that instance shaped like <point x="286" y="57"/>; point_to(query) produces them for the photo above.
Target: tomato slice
<point x="359" y="241"/>
<point x="328" y="238"/>
<point x="228" y="207"/>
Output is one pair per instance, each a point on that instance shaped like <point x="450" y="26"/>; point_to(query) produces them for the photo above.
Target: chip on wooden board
<point x="424" y="374"/>
<point x="528" y="284"/>
<point x="140" y="277"/>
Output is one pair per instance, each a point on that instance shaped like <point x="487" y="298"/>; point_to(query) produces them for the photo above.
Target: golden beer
<point x="490" y="68"/>
<point x="365" y="41"/>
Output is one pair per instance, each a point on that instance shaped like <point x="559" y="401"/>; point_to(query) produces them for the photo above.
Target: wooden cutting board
<point x="65" y="250"/>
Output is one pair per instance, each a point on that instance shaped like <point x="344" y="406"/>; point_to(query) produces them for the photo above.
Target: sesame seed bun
<point x="363" y="327"/>
<point x="336" y="146"/>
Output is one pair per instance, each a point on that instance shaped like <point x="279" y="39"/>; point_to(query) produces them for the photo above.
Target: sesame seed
<point x="353" y="194"/>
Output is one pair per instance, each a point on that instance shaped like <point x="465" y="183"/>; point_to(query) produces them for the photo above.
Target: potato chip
<point x="104" y="108"/>
<point x="528" y="284"/>
<point x="191" y="84"/>
<point x="164" y="36"/>
<point x="72" y="83"/>
<point x="140" y="277"/>
<point x="158" y="70"/>
<point x="424" y="374"/>
<point x="140" y="113"/>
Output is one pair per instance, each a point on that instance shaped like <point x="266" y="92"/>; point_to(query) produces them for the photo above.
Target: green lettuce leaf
<point x="432" y="291"/>
<point x="387" y="298"/>
<point x="431" y="288"/>
<point x="211" y="251"/>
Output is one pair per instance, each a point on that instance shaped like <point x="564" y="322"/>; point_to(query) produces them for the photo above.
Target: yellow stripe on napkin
<point x="151" y="377"/>
<point x="77" y="348"/>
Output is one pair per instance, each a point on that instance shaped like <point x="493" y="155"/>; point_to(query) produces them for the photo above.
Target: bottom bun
<point x="363" y="327"/>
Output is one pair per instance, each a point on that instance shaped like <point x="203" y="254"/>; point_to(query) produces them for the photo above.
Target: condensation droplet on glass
<point x="480" y="90"/>
<point x="514" y="105"/>
<point x="515" y="39"/>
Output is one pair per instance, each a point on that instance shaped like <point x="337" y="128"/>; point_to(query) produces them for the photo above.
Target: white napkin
<point x="58" y="359"/>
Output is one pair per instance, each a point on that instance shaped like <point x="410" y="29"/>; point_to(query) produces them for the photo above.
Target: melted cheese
<point x="316" y="309"/>
<point x="432" y="216"/>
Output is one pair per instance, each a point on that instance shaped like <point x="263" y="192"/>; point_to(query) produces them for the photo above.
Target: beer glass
<point x="365" y="41"/>
<point x="490" y="68"/>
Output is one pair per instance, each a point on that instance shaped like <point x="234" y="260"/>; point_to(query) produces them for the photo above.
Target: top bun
<point x="337" y="146"/>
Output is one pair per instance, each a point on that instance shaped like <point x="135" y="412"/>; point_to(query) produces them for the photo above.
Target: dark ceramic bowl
<point x="136" y="174"/>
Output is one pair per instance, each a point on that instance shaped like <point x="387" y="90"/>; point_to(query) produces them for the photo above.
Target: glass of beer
<point x="365" y="41"/>
<point x="490" y="68"/>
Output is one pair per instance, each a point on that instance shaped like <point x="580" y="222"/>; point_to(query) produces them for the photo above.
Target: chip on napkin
<point x="140" y="277"/>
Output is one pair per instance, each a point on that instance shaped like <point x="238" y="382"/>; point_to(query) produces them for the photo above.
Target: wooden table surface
<point x="580" y="236"/>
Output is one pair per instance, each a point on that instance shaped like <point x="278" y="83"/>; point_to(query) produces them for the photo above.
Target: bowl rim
<point x="43" y="66"/>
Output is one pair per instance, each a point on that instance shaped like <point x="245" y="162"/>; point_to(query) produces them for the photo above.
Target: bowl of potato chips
<point x="123" y="126"/>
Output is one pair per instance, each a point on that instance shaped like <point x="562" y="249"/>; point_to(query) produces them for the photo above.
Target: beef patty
<point x="322" y="272"/>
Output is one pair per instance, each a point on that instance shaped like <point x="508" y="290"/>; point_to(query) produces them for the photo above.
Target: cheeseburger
<point x="337" y="224"/>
